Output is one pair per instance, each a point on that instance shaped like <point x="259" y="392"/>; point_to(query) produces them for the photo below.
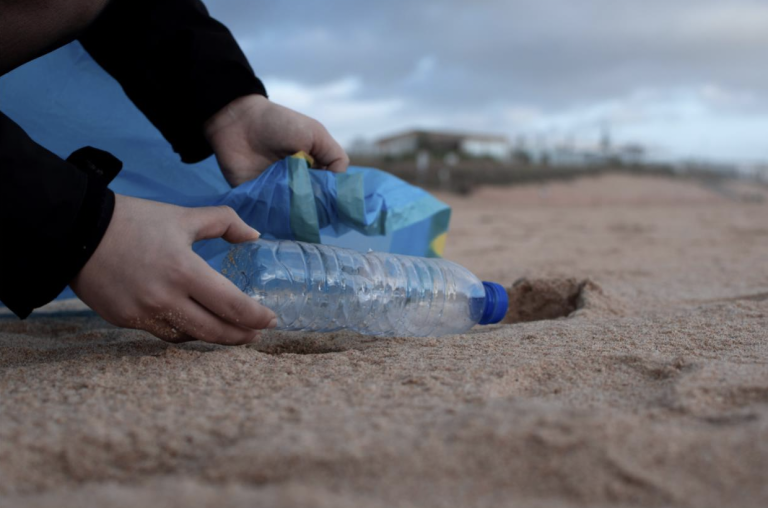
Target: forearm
<point x="52" y="217"/>
<point x="175" y="62"/>
<point x="29" y="29"/>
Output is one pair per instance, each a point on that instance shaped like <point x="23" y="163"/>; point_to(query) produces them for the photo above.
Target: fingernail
<point x="257" y="232"/>
<point x="273" y="323"/>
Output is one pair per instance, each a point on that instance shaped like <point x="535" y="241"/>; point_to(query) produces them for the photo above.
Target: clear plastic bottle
<point x="323" y="288"/>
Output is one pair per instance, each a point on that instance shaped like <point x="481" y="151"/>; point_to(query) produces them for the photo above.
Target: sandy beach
<point x="644" y="381"/>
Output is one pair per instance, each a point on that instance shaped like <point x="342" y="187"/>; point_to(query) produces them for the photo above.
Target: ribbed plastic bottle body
<point x="323" y="288"/>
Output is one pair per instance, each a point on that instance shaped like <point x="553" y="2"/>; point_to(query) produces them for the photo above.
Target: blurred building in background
<point x="437" y="145"/>
<point x="573" y="154"/>
<point x="490" y="146"/>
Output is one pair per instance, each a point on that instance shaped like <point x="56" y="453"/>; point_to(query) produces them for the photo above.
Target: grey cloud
<point x="550" y="53"/>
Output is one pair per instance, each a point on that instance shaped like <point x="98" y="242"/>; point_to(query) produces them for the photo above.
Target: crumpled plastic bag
<point x="65" y="101"/>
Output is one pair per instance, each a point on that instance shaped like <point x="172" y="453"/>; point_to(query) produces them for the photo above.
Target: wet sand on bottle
<point x="653" y="391"/>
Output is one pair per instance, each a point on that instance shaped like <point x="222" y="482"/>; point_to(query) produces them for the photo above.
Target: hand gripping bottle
<point x="321" y="288"/>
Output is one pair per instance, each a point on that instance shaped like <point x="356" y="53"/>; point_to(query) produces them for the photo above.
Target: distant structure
<point x="362" y="147"/>
<point x="605" y="140"/>
<point x="426" y="146"/>
<point x="570" y="153"/>
<point x="441" y="143"/>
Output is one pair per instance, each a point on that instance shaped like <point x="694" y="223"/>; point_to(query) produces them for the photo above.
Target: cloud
<point x="500" y="64"/>
<point x="730" y="100"/>
<point x="336" y="105"/>
<point x="423" y="71"/>
<point x="737" y="24"/>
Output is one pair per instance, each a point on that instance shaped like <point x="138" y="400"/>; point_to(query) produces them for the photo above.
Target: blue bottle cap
<point x="496" y="303"/>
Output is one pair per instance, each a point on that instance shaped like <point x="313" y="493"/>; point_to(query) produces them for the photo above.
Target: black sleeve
<point x="53" y="214"/>
<point x="175" y="62"/>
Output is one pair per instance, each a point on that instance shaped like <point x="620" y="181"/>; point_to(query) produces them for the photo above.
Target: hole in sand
<point x="540" y="299"/>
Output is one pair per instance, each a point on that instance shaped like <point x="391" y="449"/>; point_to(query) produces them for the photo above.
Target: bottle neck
<point x="496" y="303"/>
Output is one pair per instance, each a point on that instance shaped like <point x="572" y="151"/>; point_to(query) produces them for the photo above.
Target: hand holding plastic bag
<point x="64" y="100"/>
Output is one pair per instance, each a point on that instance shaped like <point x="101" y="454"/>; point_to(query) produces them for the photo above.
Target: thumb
<point x="327" y="152"/>
<point x="222" y="222"/>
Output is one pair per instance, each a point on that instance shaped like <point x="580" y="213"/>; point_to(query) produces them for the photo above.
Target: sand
<point x="651" y="391"/>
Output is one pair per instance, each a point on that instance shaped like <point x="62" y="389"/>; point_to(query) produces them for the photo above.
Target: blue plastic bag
<point x="64" y="101"/>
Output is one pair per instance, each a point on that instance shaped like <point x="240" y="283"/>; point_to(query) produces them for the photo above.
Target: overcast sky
<point x="688" y="78"/>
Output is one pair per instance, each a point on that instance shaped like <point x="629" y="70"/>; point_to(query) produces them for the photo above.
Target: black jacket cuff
<point x="191" y="143"/>
<point x="53" y="215"/>
<point x="96" y="208"/>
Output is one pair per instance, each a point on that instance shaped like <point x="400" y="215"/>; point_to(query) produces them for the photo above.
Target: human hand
<point x="145" y="275"/>
<point x="251" y="133"/>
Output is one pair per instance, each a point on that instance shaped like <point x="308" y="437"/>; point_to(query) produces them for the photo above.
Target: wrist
<point x="233" y="113"/>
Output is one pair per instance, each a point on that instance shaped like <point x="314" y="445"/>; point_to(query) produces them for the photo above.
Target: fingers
<point x="223" y="299"/>
<point x="211" y="290"/>
<point x="162" y="329"/>
<point x="327" y="152"/>
<point x="170" y="334"/>
<point x="221" y="222"/>
<point x="192" y="320"/>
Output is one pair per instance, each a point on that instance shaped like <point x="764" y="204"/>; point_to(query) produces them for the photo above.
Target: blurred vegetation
<point x="469" y="173"/>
